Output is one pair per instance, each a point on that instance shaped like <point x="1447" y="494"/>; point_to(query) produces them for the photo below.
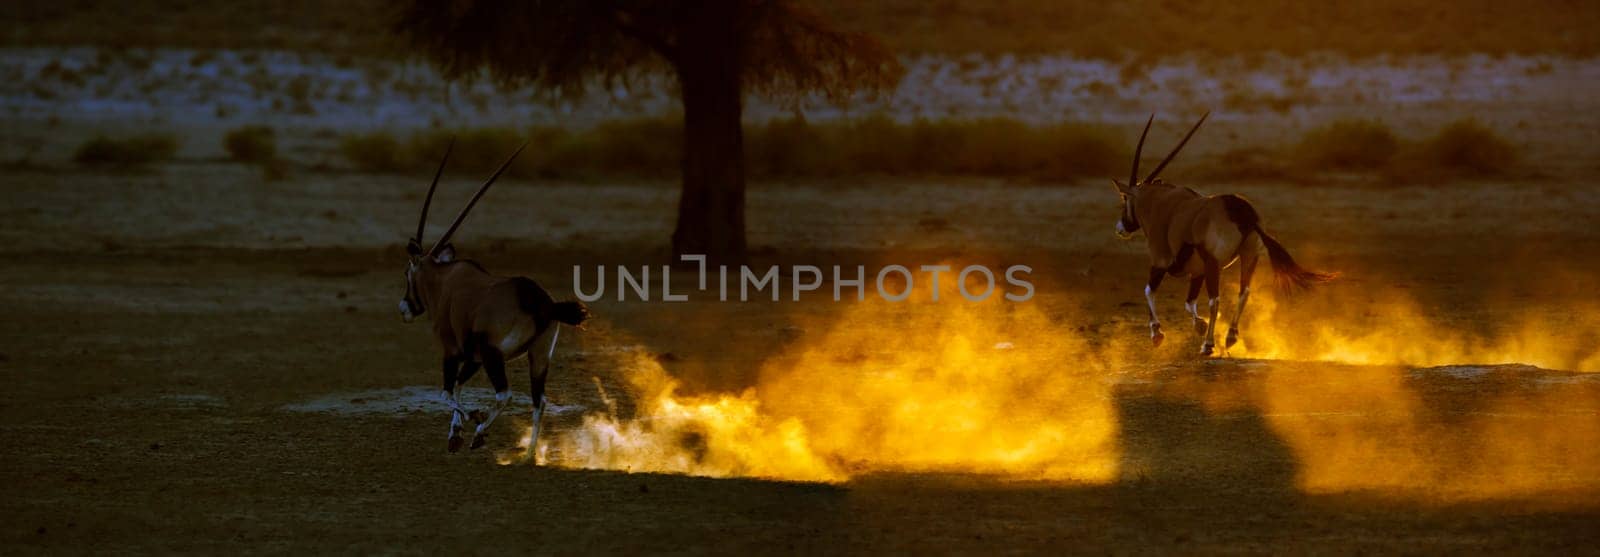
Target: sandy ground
<point x="205" y="361"/>
<point x="200" y="361"/>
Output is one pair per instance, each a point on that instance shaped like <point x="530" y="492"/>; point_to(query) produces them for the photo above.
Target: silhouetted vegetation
<point x="251" y="144"/>
<point x="126" y="152"/>
<point x="1462" y="149"/>
<point x="1468" y="148"/>
<point x="374" y="152"/>
<point x="1110" y="30"/>
<point x="1248" y="163"/>
<point x="1347" y="145"/>
<point x="717" y="53"/>
<point x="999" y="147"/>
<point x="781" y="148"/>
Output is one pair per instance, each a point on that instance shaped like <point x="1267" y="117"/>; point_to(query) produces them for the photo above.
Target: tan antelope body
<point x="482" y="320"/>
<point x="1196" y="236"/>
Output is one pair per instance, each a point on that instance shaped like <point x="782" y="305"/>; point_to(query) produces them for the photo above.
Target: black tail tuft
<point x="1291" y="277"/>
<point x="536" y="301"/>
<point x="571" y="313"/>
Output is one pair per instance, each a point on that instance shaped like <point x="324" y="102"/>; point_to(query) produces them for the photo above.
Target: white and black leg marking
<point x="456" y="414"/>
<point x="538" y="370"/>
<point x="1213" y="279"/>
<point x="1209" y="346"/>
<point x="1156" y="274"/>
<point x="1192" y="304"/>
<point x="494" y="366"/>
<point x="468" y="369"/>
<point x="479" y="436"/>
<point x="451" y="367"/>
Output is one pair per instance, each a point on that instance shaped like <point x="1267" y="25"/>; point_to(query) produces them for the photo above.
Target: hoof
<point x="1156" y="338"/>
<point x="479" y="440"/>
<point x="1199" y="326"/>
<point x="1233" y="338"/>
<point x="478" y="416"/>
<point x="1206" y="349"/>
<point x="455" y="443"/>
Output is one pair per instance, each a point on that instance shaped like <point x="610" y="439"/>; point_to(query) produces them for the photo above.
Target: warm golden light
<point x="1382" y="424"/>
<point x="1003" y="389"/>
<point x="948" y="386"/>
<point x="1347" y="327"/>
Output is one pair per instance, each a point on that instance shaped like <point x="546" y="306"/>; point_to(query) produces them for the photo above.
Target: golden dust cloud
<point x="1463" y="427"/>
<point x="1396" y="330"/>
<point x="1439" y="434"/>
<point x="1004" y="389"/>
<point x="916" y="386"/>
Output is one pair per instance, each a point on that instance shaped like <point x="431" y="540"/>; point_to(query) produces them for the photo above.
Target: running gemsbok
<point x="481" y="319"/>
<point x="1196" y="236"/>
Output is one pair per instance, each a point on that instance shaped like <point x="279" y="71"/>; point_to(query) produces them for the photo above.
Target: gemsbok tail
<point x="534" y="300"/>
<point x="571" y="313"/>
<point x="1290" y="276"/>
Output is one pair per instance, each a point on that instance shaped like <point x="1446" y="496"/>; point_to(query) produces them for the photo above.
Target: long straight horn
<point x="474" y="201"/>
<point x="1175" y="150"/>
<point x="1133" y="177"/>
<point x="426" y="201"/>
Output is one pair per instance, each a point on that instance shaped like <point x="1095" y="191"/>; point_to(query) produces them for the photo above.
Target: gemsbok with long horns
<point x="1196" y="236"/>
<point x="482" y="320"/>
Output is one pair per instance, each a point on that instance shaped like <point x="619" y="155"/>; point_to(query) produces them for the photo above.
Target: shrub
<point x="126" y="152"/>
<point x="877" y="144"/>
<point x="557" y="153"/>
<point x="1468" y="148"/>
<point x="1255" y="101"/>
<point x="641" y="148"/>
<point x="373" y="152"/>
<point x="874" y="145"/>
<point x="476" y="151"/>
<point x="1347" y="145"/>
<point x="788" y="147"/>
<point x="1249" y="163"/>
<point x="1078" y="150"/>
<point x="251" y="144"/>
<point x="784" y="147"/>
<point x="1009" y="148"/>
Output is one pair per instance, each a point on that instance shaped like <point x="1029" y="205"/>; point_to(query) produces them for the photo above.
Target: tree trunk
<point x="711" y="206"/>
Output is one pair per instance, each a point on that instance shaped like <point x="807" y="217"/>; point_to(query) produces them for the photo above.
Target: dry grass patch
<point x="1347" y="145"/>
<point x="1469" y="148"/>
<point x="126" y="152"/>
<point x="251" y="144"/>
<point x="792" y="147"/>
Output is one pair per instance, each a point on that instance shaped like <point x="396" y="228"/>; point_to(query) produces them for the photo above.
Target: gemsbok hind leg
<point x="1247" y="269"/>
<point x="452" y="366"/>
<point x="1193" y="306"/>
<point x="494" y="365"/>
<point x="538" y="370"/>
<point x="1213" y="279"/>
<point x="1156" y="274"/>
<point x="469" y="368"/>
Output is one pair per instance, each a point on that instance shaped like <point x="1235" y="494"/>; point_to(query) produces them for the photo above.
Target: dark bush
<point x="1468" y="148"/>
<point x="1347" y="145"/>
<point x="784" y="147"/>
<point x="1248" y="163"/>
<point x="251" y="144"/>
<point x="373" y="152"/>
<point x="127" y="152"/>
